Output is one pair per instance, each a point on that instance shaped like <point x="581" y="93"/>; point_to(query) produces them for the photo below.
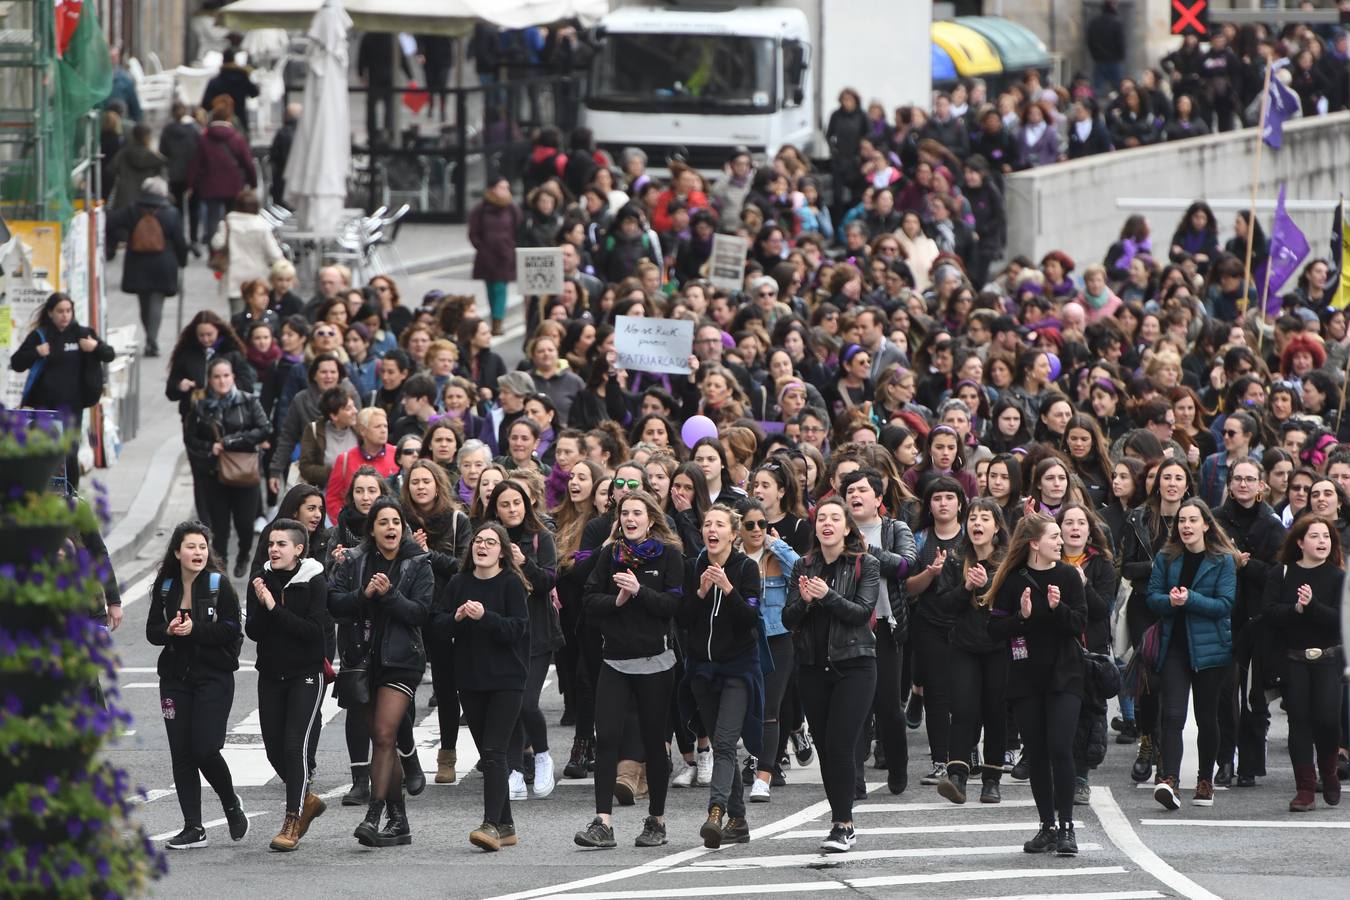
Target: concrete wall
<point x="1072" y="206"/>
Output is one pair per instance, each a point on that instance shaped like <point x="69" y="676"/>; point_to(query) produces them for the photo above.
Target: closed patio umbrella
<point x="316" y="172"/>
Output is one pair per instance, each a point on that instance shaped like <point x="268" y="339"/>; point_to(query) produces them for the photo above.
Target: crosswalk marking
<point x="793" y="860"/>
<point x="940" y="805"/>
<point x="964" y="828"/>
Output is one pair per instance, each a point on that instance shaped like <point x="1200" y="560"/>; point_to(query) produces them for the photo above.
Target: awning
<point x="453" y="18"/>
<point x="970" y="52"/>
<point x="943" y="67"/>
<point x="1017" y="46"/>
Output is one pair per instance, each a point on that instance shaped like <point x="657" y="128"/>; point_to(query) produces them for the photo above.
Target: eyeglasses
<point x="813" y="429"/>
<point x="620" y="483"/>
<point x="766" y="294"/>
<point x="486" y="542"/>
<point x="757" y="525"/>
<point x="1245" y="479"/>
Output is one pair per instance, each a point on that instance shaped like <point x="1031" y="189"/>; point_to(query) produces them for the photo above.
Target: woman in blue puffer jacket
<point x="1191" y="589"/>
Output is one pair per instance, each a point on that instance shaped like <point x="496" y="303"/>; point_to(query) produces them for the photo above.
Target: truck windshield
<point x="684" y="72"/>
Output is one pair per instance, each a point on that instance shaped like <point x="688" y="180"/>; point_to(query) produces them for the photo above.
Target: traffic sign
<point x="1190" y="17"/>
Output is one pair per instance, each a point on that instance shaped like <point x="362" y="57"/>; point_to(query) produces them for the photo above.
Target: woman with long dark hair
<point x="942" y="457"/>
<point x="385" y="591"/>
<point x="832" y="593"/>
<point x="1037" y="610"/>
<point x="711" y="457"/>
<point x="1087" y="451"/>
<point x="1003" y="485"/>
<point x="776" y="487"/>
<point x="205" y="338"/>
<point x="194" y="616"/>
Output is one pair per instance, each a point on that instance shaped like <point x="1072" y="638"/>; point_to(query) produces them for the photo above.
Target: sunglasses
<point x="758" y="525"/>
<point x="1227" y="433"/>
<point x="325" y="332"/>
<point x="406" y="451"/>
<point x="631" y="483"/>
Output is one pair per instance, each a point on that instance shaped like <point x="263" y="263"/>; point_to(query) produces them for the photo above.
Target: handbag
<point x="329" y="676"/>
<point x="353" y="684"/>
<point x="1150" y="648"/>
<point x="1120" y="628"/>
<point x="237" y="468"/>
<point x="219" y="260"/>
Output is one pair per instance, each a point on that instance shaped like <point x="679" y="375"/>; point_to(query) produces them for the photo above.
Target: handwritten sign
<point x="726" y="267"/>
<point x="539" y="270"/>
<point x="654" y="345"/>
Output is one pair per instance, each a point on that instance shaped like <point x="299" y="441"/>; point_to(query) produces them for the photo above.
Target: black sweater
<point x="970" y="623"/>
<point x="1053" y="661"/>
<point x="721" y="626"/>
<point x="1319" y="625"/>
<point x="216" y="635"/>
<point x="641" y="627"/>
<point x="492" y="653"/>
<point x="290" y="636"/>
<point x="58" y="384"/>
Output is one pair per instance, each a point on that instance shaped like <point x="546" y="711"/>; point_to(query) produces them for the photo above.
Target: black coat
<point x="237" y="421"/>
<point x="397" y="615"/>
<point x="642" y="626"/>
<point x="216" y="631"/>
<point x="290" y="636"/>
<point x="149" y="273"/>
<point x="850" y="604"/>
<point x="65" y="369"/>
<point x="721" y="626"/>
<point x="190" y="362"/>
<point x="1098" y="140"/>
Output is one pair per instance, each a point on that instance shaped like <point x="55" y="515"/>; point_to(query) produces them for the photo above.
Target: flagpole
<point x="1261" y="320"/>
<point x="1256" y="176"/>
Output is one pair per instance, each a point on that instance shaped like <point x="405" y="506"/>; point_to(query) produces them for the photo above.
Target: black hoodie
<point x="290" y="636"/>
<point x="722" y="626"/>
<point x="641" y="627"/>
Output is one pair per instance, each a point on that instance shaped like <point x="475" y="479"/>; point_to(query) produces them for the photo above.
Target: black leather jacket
<point x="850" y="604"/>
<point x="402" y="611"/>
<point x="896" y="557"/>
<point x="238" y="421"/>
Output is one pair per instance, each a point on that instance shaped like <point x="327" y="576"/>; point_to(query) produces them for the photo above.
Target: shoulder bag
<point x="237" y="468"/>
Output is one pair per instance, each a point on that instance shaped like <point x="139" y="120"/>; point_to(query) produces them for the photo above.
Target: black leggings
<point x="978" y="682"/>
<point x="288" y="713"/>
<point x="358" y="736"/>
<point x="492" y="715"/>
<point x="1179" y="684"/>
<point x="442" y="659"/>
<point x="530" y="728"/>
<point x="933" y="650"/>
<point x="837" y="700"/>
<point x="1312" y="698"/>
<point x="889" y="704"/>
<point x="649" y="696"/>
<point x="775" y="689"/>
<point x="195" y="715"/>
<point x="1048" y="723"/>
<point x="217" y="505"/>
<point x="590" y="651"/>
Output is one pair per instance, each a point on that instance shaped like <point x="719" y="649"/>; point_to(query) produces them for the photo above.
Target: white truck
<point x="705" y="77"/>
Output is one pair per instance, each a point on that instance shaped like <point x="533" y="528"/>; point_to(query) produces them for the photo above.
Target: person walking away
<point x="493" y="224"/>
<point x="194" y="616"/>
<point x="720" y="616"/>
<point x="132" y="165"/>
<point x="178" y="144"/>
<point x="280" y="151"/>
<point x="1038" y="611"/>
<point x="375" y="57"/>
<point x="225" y="420"/>
<point x="1302" y="603"/>
<point x="64" y="361"/>
<point x="156" y="251"/>
<point x="832" y="596"/>
<point x="1192" y="590"/>
<point x="234" y="81"/>
<point x="249" y="246"/>
<point x="384" y="591"/>
<point x="287" y="618"/>
<point x="484" y="611"/>
<point x="1106" y="47"/>
<point x="220" y="169"/>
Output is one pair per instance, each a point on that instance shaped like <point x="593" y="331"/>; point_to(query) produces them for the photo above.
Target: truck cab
<point x="702" y="82"/>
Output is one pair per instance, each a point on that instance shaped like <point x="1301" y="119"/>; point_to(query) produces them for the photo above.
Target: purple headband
<point x="789" y="386"/>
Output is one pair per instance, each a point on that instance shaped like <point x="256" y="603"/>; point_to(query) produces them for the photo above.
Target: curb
<point x="432" y="263"/>
<point x="129" y="536"/>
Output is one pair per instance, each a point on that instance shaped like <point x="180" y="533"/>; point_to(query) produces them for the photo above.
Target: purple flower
<point x="74" y="869"/>
<point x="13" y="705"/>
<point x="37" y="806"/>
<point x="102" y="867"/>
<point x="52" y="784"/>
<point x="74" y="827"/>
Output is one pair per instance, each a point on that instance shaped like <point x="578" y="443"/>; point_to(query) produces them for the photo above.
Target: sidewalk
<point x="147" y="471"/>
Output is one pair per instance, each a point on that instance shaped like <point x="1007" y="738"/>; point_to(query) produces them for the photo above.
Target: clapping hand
<point x="812" y="588"/>
<point x="470" y="609"/>
<point x="1026" y="603"/>
<point x="1178" y="596"/>
<point x="378" y="584"/>
<point x="938" y="562"/>
<point x="516" y="556"/>
<point x="88" y="344"/>
<point x="420" y="536"/>
<point x="1052" y="596"/>
<point x="264" y="595"/>
<point x="718" y="577"/>
<point x="976" y="577"/>
<point x="1304" y="597"/>
<point x="628" y="586"/>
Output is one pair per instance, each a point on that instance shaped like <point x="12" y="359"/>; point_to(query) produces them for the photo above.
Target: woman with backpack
<point x="157" y="250"/>
<point x="194" y="616"/>
<point x="64" y="361"/>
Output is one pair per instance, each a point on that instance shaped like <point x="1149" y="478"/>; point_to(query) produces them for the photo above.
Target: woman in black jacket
<point x="720" y="618"/>
<point x="386" y="591"/>
<point x="1038" y="610"/>
<point x="832" y="594"/>
<point x="441" y="529"/>
<point x="64" y="361"/>
<point x="533" y="551"/>
<point x="631" y="598"/>
<point x="194" y="616"/>
<point x="484" y="611"/>
<point x="226" y="419"/>
<point x="205" y="338"/>
<point x="287" y="619"/>
<point x="477" y="361"/>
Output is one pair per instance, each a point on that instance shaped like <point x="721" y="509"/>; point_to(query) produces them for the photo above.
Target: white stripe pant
<point x="288" y="710"/>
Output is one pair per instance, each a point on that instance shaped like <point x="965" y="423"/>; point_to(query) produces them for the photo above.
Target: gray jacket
<point x="896" y="557"/>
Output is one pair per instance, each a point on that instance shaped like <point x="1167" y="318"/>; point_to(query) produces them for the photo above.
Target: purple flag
<point x="1282" y="105"/>
<point x="1288" y="249"/>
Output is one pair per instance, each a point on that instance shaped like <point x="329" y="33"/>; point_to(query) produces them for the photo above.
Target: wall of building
<point x="1072" y="206"/>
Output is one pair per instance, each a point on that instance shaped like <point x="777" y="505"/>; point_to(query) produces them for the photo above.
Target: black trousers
<point x="1244" y="716"/>
<point x="978" y="683"/>
<point x="837" y="700"/>
<point x="775" y="690"/>
<point x="218" y="505"/>
<point x="616" y="695"/>
<point x="1048" y="722"/>
<point x="492" y="715"/>
<point x="530" y="728"/>
<point x="889" y="702"/>
<point x="189" y="209"/>
<point x="1180" y="684"/>
<point x="442" y="657"/>
<point x="288" y="713"/>
<point x="1312" y="698"/>
<point x="590" y="651"/>
<point x="195" y="713"/>
<point x="933" y="655"/>
<point x="152" y="313"/>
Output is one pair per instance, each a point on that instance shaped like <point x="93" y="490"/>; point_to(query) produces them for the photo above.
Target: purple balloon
<point x="696" y="428"/>
<point x="1055" y="365"/>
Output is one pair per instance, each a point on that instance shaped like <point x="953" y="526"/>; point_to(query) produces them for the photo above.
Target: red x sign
<point x="1190" y="17"/>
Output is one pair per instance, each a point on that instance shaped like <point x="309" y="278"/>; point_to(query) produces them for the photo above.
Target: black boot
<point x="1065" y="843"/>
<point x="576" y="763"/>
<point x="414" y="779"/>
<point x="360" y="792"/>
<point x="953" y="784"/>
<point x="1045" y="840"/>
<point x="990" y="791"/>
<point x="368" y="832"/>
<point x="396" y="831"/>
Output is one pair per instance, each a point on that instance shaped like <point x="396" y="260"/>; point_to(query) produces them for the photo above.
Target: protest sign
<point x="654" y="345"/>
<point x="726" y="266"/>
<point x="539" y="270"/>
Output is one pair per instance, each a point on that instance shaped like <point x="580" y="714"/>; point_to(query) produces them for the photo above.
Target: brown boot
<point x="711" y="832"/>
<point x="1305" y="783"/>
<point x="445" y="767"/>
<point x="1331" y="780"/>
<point x="497" y="327"/>
<point x="626" y="784"/>
<point x="289" y="836"/>
<point x="642" y="791"/>
<point x="312" y="808"/>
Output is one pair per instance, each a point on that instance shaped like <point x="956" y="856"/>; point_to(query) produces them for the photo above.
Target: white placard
<point x="539" y="270"/>
<point x="654" y="345"/>
<point x="726" y="266"/>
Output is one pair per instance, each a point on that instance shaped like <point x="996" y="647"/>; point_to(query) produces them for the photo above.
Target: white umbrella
<point x="453" y="18"/>
<point x="316" y="172"/>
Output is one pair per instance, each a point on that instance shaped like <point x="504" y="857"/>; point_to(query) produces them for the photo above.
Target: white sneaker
<point x="259" y="524"/>
<point x="705" y="765"/>
<point x="543" y="775"/>
<point x="516" y="784"/>
<point x="685" y="776"/>
<point x="759" y="791"/>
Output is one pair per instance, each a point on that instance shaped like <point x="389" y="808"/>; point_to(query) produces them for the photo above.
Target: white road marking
<point x="134" y="685"/>
<point x="1255" y="823"/>
<point x="1117" y="829"/>
<point x="793" y="860"/>
<point x="982" y="875"/>
<point x="214" y="823"/>
<point x="139" y="591"/>
<point x="927" y="807"/>
<point x="1028" y="827"/>
<point x="245" y="668"/>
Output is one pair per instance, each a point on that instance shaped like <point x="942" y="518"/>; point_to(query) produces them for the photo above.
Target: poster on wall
<point x="21" y="303"/>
